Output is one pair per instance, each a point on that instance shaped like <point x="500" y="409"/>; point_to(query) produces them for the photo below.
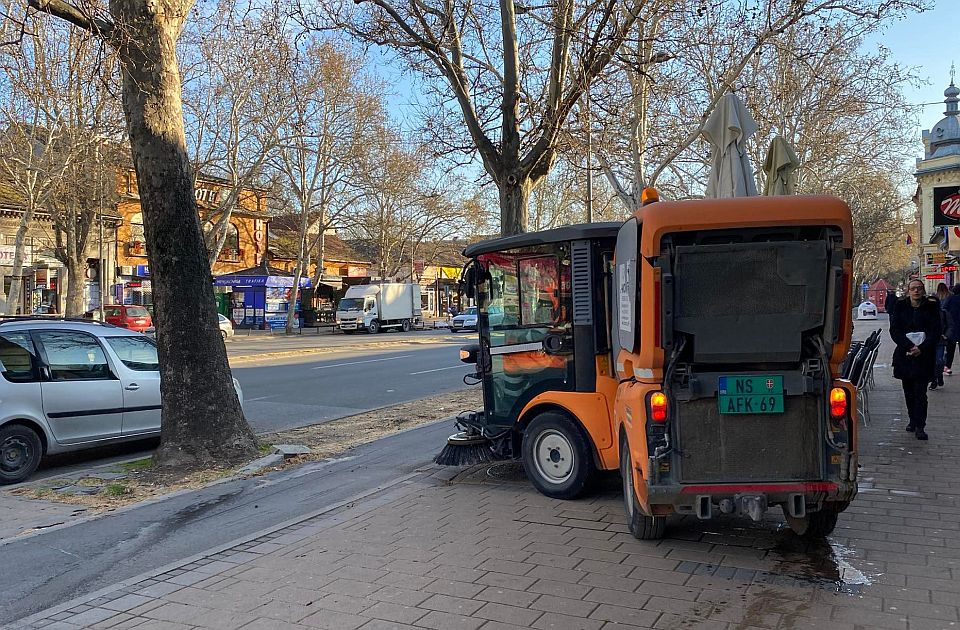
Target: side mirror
<point x="468" y="354"/>
<point x="468" y="281"/>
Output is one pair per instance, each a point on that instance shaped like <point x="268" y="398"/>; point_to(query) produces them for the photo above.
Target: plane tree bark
<point x="203" y="422"/>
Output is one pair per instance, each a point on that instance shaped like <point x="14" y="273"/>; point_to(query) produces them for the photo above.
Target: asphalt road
<point x="291" y="392"/>
<point x="56" y="566"/>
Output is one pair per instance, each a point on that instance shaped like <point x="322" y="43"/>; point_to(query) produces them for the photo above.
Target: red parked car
<point x="128" y="316"/>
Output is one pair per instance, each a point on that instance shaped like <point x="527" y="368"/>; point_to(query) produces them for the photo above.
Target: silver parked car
<point x="70" y="385"/>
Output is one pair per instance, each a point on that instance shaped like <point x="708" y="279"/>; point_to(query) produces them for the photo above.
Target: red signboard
<point x="935" y="276"/>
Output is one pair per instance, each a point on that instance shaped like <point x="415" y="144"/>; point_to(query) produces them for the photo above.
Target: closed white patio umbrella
<point x="728" y="129"/>
<point x="781" y="168"/>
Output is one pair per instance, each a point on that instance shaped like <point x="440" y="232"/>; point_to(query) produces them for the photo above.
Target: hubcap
<point x="14" y="454"/>
<point x="554" y="456"/>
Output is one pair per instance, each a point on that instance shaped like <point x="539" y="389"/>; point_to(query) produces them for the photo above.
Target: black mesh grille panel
<point x="582" y="289"/>
<point x="732" y="448"/>
<point x="723" y="284"/>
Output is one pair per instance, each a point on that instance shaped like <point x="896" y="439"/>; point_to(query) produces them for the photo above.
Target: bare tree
<point x="687" y="56"/>
<point x="399" y="211"/>
<point x="512" y="72"/>
<point x="335" y="112"/>
<point x="234" y="100"/>
<point x="202" y="418"/>
<point x="56" y="117"/>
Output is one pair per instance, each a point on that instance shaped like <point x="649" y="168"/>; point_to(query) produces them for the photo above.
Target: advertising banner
<point x="946" y="206"/>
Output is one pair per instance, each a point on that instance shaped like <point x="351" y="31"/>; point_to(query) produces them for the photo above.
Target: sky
<point x="926" y="42"/>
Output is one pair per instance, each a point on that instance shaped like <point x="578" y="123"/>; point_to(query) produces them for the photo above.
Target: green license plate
<point x="751" y="394"/>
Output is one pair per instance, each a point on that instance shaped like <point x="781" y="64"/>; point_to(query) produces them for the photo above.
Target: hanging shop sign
<point x="946" y="206"/>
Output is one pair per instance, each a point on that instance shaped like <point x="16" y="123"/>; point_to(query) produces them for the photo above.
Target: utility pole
<point x="589" y="158"/>
<point x="101" y="272"/>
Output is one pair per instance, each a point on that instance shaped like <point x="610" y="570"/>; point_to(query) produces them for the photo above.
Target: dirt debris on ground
<point x="133" y="482"/>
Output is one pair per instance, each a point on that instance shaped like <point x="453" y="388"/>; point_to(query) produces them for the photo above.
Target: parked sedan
<point x="68" y="386"/>
<point x="130" y="316"/>
<point x="467" y="320"/>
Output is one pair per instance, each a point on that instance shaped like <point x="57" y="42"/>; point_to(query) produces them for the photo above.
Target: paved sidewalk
<point x="482" y="550"/>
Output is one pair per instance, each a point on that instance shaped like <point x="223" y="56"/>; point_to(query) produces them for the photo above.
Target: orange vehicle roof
<point x="740" y="212"/>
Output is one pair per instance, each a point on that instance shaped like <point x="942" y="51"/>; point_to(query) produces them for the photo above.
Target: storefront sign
<point x="143" y="271"/>
<point x="207" y="195"/>
<point x="946" y="206"/>
<point x="8" y="252"/>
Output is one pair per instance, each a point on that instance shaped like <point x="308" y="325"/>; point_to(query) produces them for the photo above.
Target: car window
<point x="74" y="356"/>
<point x="222" y="318"/>
<point x="471" y="311"/>
<point x="111" y="311"/>
<point x="137" y="311"/>
<point x="136" y="353"/>
<point x="17" y="357"/>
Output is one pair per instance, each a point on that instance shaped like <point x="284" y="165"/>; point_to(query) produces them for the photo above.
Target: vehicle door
<point x="528" y="341"/>
<point x="139" y="371"/>
<point x="19" y="367"/>
<point x="82" y="397"/>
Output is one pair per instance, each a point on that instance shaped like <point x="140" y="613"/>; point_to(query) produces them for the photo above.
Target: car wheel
<point x="641" y="525"/>
<point x="223" y="335"/>
<point x="20" y="453"/>
<point x="406" y="326"/>
<point x="374" y="327"/>
<point x="556" y="456"/>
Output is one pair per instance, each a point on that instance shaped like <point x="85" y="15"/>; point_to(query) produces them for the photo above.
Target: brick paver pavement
<point x="483" y="550"/>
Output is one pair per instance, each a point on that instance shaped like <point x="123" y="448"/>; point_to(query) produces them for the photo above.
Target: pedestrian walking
<point x="915" y="328"/>
<point x="952" y="307"/>
<point x="942" y="294"/>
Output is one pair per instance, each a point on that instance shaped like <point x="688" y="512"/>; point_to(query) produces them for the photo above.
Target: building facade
<point x="938" y="195"/>
<point x="245" y="245"/>
<point x="44" y="276"/>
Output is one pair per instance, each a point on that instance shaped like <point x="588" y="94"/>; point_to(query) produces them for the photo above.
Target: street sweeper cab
<point x="543" y="357"/>
<point x="696" y="347"/>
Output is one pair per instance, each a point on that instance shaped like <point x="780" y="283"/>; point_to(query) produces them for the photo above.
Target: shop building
<point x="45" y="277"/>
<point x="245" y="245"/>
<point x="938" y="195"/>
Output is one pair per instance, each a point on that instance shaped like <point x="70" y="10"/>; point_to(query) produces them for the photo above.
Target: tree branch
<point x="76" y="16"/>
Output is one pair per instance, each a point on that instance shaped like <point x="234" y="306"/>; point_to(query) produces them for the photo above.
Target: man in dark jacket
<point x="914" y="363"/>
<point x="952" y="306"/>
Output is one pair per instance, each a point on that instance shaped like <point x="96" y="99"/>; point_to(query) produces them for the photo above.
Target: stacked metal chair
<point x="858" y="369"/>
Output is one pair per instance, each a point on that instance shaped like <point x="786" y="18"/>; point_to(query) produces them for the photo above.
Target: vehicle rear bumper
<point x="683" y="498"/>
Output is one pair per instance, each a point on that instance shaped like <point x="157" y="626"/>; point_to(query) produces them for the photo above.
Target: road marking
<point x="452" y="367"/>
<point x="324" y="367"/>
<point x="261" y="398"/>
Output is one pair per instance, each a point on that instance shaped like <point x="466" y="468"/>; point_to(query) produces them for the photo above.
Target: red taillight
<point x="658" y="407"/>
<point x="838" y="402"/>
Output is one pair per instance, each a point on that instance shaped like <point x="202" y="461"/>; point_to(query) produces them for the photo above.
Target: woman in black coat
<point x="915" y="364"/>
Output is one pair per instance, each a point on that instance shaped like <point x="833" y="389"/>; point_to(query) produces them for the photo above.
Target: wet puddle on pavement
<point x="827" y="564"/>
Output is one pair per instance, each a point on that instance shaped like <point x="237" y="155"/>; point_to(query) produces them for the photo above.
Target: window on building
<point x="232" y="241"/>
<point x="136" y="228"/>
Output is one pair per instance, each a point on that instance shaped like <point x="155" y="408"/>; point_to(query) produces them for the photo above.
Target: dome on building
<point x="945" y="135"/>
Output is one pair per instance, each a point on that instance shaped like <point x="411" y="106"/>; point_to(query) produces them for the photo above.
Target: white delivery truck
<point x="375" y="307"/>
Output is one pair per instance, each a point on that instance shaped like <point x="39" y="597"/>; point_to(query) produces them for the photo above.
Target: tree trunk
<point x="16" y="276"/>
<point x="514" y="198"/>
<point x="203" y="422"/>
<point x="76" y="282"/>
